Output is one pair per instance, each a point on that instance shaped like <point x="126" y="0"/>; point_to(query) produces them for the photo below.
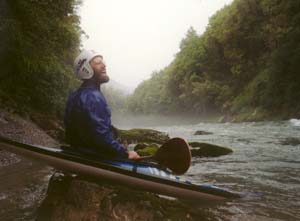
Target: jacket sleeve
<point x="99" y="119"/>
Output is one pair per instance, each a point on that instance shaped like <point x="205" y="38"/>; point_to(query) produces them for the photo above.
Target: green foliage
<point x="150" y="96"/>
<point x="41" y="39"/>
<point x="246" y="60"/>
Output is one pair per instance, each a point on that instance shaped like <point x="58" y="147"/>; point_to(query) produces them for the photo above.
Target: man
<point x="88" y="117"/>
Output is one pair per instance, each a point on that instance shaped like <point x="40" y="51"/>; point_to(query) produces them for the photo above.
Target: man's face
<point x="99" y="68"/>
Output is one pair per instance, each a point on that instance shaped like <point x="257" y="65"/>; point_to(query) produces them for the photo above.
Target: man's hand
<point x="132" y="155"/>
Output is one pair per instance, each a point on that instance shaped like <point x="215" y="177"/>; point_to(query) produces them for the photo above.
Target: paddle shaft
<point x="146" y="158"/>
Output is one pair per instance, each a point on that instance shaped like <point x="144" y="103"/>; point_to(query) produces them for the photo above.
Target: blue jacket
<point x="88" y="122"/>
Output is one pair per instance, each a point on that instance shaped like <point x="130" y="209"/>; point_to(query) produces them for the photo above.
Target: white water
<point x="295" y="122"/>
<point x="264" y="166"/>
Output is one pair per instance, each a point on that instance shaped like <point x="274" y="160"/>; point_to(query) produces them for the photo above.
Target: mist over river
<point x="264" y="167"/>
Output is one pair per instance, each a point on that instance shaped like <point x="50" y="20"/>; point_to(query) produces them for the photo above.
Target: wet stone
<point x="80" y="198"/>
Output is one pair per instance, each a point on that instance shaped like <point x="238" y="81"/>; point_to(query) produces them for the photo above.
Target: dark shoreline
<point x="23" y="182"/>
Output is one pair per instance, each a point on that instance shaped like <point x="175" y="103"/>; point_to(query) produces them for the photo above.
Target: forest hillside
<point x="245" y="64"/>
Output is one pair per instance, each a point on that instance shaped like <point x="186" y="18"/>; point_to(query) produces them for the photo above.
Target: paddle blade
<point x="175" y="154"/>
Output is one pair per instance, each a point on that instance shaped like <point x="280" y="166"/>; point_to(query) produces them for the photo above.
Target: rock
<point x="140" y="146"/>
<point x="149" y="150"/>
<point x="226" y="118"/>
<point x="78" y="198"/>
<point x="201" y="132"/>
<point x="143" y="135"/>
<point x="208" y="150"/>
<point x="290" y="141"/>
<point x="15" y="127"/>
<point x="51" y="124"/>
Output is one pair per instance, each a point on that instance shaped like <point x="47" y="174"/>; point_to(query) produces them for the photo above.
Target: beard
<point x="104" y="78"/>
<point x="101" y="77"/>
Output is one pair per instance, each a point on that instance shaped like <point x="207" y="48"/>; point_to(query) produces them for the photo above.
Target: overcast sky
<point x="137" y="37"/>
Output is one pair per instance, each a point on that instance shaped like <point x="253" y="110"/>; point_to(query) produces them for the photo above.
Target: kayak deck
<point x="144" y="175"/>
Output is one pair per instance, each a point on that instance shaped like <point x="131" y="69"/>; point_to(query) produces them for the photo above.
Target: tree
<point x="42" y="38"/>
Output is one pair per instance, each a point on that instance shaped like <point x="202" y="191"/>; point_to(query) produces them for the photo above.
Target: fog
<point x="128" y="121"/>
<point x="137" y="37"/>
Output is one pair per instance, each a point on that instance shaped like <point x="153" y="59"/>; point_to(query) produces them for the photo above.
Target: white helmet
<point x="82" y="67"/>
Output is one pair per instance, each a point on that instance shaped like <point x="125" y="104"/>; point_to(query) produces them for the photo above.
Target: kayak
<point x="147" y="176"/>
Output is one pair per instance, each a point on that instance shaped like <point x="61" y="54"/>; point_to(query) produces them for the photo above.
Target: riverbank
<point x="258" y="115"/>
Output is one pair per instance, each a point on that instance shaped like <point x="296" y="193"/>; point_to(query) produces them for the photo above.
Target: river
<point x="264" y="167"/>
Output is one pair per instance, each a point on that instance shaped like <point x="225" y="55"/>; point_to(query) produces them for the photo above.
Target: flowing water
<point x="264" y="167"/>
